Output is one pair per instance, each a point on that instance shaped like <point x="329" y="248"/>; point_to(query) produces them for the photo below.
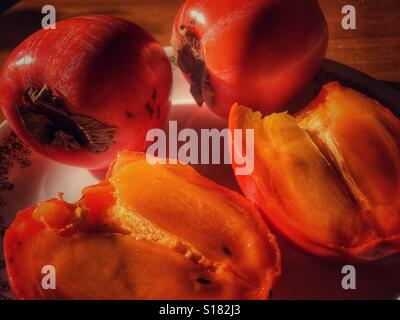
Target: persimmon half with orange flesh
<point x="328" y="178"/>
<point x="147" y="232"/>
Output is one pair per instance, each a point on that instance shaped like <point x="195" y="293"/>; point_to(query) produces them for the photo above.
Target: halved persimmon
<point x="328" y="178"/>
<point x="147" y="232"/>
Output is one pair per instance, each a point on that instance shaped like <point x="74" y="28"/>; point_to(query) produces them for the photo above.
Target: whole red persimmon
<point x="91" y="87"/>
<point x="255" y="52"/>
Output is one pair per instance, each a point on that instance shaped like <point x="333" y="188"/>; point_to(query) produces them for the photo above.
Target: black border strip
<point x="137" y="310"/>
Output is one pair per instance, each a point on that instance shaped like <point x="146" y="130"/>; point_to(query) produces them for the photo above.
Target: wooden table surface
<point x="373" y="48"/>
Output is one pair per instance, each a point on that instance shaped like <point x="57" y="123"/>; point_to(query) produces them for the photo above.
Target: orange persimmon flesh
<point x="147" y="232"/>
<point x="328" y="178"/>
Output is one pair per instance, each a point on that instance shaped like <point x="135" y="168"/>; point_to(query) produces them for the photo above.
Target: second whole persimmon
<point x="253" y="52"/>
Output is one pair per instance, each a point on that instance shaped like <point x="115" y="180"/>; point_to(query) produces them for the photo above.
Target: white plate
<point x="34" y="178"/>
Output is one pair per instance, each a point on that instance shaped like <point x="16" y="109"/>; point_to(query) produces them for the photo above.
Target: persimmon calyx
<point x="191" y="61"/>
<point x="50" y="122"/>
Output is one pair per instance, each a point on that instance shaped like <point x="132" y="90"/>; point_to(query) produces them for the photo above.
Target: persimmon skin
<point x="367" y="228"/>
<point x="259" y="53"/>
<point x="102" y="67"/>
<point x="142" y="253"/>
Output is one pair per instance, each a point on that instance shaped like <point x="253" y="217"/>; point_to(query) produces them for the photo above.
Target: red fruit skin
<point x="103" y="67"/>
<point x="258" y="52"/>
